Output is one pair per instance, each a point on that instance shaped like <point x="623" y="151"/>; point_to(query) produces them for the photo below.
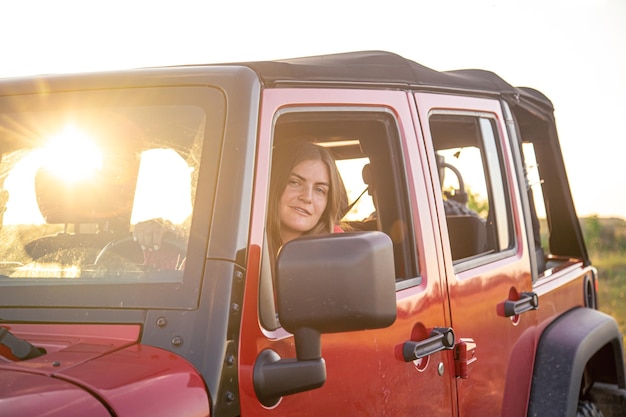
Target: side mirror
<point x="326" y="284"/>
<point x="336" y="283"/>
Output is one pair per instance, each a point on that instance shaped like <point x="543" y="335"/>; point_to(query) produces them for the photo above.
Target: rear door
<point x="374" y="142"/>
<point x="486" y="256"/>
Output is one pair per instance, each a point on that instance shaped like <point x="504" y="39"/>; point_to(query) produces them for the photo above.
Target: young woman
<point x="307" y="195"/>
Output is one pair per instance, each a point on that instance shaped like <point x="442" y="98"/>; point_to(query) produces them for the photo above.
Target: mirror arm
<point x="275" y="377"/>
<point x="308" y="344"/>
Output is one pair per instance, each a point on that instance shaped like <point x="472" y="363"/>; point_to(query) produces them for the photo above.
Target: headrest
<point x="85" y="200"/>
<point x="366" y="174"/>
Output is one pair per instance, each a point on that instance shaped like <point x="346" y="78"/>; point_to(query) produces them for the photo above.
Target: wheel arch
<point x="580" y="342"/>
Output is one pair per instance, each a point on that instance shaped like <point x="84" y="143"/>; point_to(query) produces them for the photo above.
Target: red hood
<point x="23" y="394"/>
<point x="102" y="367"/>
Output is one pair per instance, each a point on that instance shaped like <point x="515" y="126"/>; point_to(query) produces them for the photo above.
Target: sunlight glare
<point x="163" y="187"/>
<point x="72" y="154"/>
<point x="22" y="206"/>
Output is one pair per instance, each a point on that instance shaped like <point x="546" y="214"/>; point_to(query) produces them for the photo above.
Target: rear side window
<point x="474" y="191"/>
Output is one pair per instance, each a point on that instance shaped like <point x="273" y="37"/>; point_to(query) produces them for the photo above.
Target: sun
<point x="72" y="154"/>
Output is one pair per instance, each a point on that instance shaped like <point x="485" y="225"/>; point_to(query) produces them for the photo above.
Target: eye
<point x="321" y="190"/>
<point x="294" y="183"/>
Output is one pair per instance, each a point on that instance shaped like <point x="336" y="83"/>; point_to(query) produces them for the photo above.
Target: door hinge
<point x="464" y="356"/>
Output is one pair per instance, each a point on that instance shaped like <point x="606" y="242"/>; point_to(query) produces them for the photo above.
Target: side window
<point x="474" y="192"/>
<point x="550" y="252"/>
<point x="365" y="150"/>
<point x="537" y="205"/>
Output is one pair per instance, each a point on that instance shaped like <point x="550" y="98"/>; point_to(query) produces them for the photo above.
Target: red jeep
<point x="460" y="287"/>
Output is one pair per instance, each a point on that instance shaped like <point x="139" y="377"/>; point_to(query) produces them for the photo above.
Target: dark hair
<point x="285" y="157"/>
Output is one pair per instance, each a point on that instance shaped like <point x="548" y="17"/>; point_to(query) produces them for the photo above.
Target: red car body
<point x="99" y="371"/>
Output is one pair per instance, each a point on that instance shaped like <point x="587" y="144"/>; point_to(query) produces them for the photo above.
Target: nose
<point x="306" y="194"/>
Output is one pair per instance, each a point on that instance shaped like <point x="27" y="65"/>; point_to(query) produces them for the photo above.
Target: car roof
<point x="370" y="69"/>
<point x="386" y="69"/>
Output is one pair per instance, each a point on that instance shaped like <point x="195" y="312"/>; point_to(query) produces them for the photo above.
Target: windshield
<point x="79" y="171"/>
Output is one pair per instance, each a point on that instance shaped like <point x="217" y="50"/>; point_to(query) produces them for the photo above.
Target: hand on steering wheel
<point x="149" y="234"/>
<point x="161" y="248"/>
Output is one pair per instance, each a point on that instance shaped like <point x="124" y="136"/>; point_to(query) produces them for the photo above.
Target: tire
<point x="588" y="409"/>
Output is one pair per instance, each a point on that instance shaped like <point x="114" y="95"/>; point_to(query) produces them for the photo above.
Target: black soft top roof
<point x="386" y="68"/>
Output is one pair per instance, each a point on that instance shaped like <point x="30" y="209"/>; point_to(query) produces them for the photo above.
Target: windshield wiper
<point x="20" y="348"/>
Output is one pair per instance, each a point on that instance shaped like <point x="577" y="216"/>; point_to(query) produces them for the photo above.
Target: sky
<point x="574" y="51"/>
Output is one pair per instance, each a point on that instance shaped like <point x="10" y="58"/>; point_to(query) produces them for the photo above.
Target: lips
<point x="301" y="210"/>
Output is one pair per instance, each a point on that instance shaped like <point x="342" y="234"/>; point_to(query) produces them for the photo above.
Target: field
<point x="606" y="243"/>
<point x="612" y="284"/>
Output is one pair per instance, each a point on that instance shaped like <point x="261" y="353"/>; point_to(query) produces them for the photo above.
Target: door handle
<point x="440" y="339"/>
<point x="527" y="301"/>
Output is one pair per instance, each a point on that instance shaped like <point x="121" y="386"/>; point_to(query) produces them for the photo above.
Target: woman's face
<point x="304" y="199"/>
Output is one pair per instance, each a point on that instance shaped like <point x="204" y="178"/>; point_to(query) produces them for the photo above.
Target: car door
<point x="367" y="371"/>
<point x="486" y="255"/>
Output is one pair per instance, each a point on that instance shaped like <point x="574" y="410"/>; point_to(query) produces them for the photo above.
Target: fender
<point x="563" y="351"/>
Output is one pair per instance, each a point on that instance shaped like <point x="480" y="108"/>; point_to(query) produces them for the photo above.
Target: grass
<point x="612" y="285"/>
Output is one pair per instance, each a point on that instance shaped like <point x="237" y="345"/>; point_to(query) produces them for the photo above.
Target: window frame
<point x="392" y="142"/>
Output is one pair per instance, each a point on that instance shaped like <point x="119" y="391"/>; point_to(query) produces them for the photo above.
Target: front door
<point x="374" y="143"/>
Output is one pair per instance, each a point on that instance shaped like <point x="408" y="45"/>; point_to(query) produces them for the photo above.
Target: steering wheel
<point x="459" y="195"/>
<point x="128" y="248"/>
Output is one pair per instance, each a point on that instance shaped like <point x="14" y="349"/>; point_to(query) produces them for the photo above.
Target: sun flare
<point x="72" y="154"/>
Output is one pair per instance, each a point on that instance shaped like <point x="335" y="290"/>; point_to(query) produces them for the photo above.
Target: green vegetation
<point x="606" y="243"/>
